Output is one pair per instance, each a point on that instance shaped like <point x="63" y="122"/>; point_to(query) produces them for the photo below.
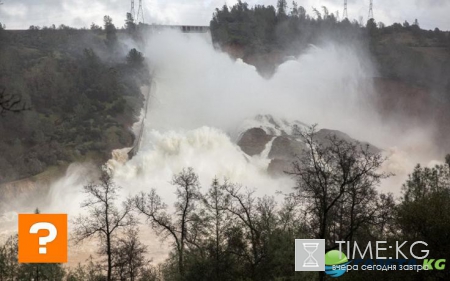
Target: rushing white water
<point x="199" y="86"/>
<point x="198" y="107"/>
<point x="202" y="97"/>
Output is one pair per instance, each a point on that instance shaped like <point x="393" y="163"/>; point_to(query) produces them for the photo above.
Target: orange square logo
<point x="42" y="238"/>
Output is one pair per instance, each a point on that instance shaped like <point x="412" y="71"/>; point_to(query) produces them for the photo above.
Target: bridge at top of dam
<point x="182" y="28"/>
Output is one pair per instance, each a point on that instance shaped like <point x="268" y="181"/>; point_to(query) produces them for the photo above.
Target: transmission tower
<point x="132" y="12"/>
<point x="140" y="13"/>
<point x="371" y="10"/>
<point x="345" y="15"/>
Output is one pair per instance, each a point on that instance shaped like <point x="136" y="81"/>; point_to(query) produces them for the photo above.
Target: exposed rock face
<point x="286" y="146"/>
<point x="253" y="141"/>
<point x="323" y="135"/>
<point x="283" y="152"/>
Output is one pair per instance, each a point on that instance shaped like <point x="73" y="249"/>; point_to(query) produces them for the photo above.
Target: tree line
<point x="226" y="232"/>
<point x="266" y="35"/>
<point x="264" y="28"/>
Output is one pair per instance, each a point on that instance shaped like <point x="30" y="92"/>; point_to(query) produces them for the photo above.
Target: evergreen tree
<point x="110" y="29"/>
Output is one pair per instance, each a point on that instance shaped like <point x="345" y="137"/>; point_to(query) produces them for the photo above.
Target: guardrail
<point x="182" y="28"/>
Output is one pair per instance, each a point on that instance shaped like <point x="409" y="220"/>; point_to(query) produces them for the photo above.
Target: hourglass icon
<point x="310" y="248"/>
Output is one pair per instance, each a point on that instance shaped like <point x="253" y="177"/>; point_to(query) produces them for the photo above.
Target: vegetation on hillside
<point x="401" y="51"/>
<point x="81" y="100"/>
<point x="81" y="89"/>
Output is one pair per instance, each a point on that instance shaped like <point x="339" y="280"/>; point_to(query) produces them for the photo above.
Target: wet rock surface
<point x="286" y="146"/>
<point x="253" y="141"/>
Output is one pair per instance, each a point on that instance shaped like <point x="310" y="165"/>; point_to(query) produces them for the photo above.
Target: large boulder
<point x="286" y="146"/>
<point x="323" y="136"/>
<point x="283" y="152"/>
<point x="253" y="141"/>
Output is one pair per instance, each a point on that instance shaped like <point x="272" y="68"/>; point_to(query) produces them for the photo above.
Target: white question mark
<point x="45" y="239"/>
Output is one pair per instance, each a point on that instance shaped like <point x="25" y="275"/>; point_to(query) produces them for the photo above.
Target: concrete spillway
<point x="138" y="135"/>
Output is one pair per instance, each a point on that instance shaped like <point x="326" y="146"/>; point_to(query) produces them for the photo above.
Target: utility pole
<point x="345" y="15"/>
<point x="371" y="10"/>
<point x="140" y="13"/>
<point x="132" y="12"/>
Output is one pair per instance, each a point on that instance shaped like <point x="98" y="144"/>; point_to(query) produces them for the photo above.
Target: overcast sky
<point x="20" y="14"/>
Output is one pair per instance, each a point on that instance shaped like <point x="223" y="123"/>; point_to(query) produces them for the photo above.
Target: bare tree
<point x="333" y="172"/>
<point x="104" y="219"/>
<point x="336" y="180"/>
<point x="9" y="265"/>
<point x="385" y="215"/>
<point x="217" y="220"/>
<point x="151" y="274"/>
<point x="91" y="271"/>
<point x="180" y="226"/>
<point x="290" y="216"/>
<point x="243" y="206"/>
<point x="129" y="256"/>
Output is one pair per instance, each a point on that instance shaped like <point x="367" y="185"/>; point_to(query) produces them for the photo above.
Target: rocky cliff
<point x="285" y="144"/>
